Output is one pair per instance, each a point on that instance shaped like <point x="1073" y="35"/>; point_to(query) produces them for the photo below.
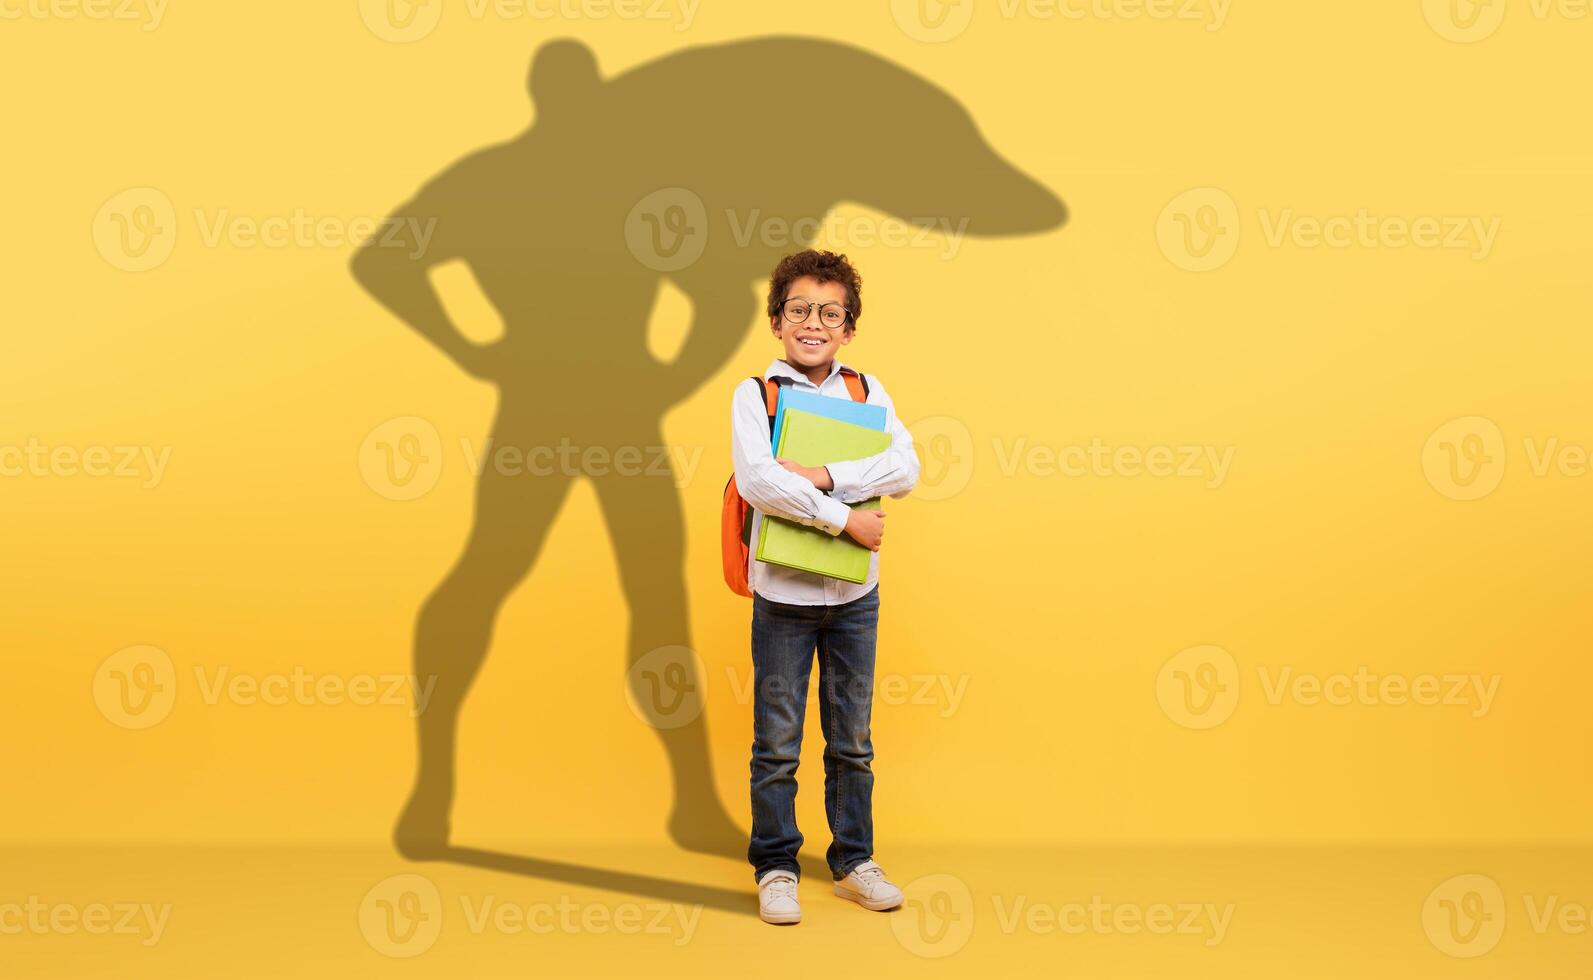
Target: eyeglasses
<point x="832" y="316"/>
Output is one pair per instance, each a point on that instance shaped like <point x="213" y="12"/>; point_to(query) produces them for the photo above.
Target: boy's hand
<point x="867" y="528"/>
<point x="816" y="475"/>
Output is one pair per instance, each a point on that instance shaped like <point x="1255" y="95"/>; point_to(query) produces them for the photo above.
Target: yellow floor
<point x="1282" y="912"/>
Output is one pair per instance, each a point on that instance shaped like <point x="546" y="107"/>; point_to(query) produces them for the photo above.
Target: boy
<point x="815" y="299"/>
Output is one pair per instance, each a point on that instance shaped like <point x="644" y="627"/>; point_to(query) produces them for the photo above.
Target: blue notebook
<point x="844" y="409"/>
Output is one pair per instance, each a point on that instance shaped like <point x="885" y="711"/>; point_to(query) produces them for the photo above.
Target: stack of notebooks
<point x="814" y="430"/>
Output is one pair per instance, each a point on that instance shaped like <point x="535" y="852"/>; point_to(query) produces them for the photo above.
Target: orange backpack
<point x="735" y="516"/>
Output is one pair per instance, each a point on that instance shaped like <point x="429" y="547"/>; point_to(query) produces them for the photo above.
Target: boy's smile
<point x="810" y="347"/>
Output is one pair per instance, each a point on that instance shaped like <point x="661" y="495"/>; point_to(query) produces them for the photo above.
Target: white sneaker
<point x="867" y="886"/>
<point x="777" y="898"/>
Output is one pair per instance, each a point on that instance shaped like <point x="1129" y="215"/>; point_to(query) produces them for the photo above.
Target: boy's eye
<point x="832" y="317"/>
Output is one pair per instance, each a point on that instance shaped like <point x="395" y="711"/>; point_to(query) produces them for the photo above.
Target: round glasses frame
<point x="807" y="309"/>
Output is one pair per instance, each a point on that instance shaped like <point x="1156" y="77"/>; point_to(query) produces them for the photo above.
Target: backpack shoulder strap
<point x="856" y="384"/>
<point x="771" y="396"/>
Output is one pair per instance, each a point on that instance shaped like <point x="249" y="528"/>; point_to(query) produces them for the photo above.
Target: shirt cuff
<point x="847" y="477"/>
<point x="832" y="516"/>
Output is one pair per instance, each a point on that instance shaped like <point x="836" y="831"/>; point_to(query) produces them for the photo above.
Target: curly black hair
<point x="823" y="266"/>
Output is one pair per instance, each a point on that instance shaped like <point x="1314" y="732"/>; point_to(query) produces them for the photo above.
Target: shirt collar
<point x="779" y="368"/>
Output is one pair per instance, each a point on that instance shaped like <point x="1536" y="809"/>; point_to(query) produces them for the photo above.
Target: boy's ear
<point x="846" y="336"/>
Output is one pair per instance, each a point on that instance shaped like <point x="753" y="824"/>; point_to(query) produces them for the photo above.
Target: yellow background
<point x="1056" y="600"/>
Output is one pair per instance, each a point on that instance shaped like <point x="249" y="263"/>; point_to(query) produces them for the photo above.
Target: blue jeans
<point x="784" y="637"/>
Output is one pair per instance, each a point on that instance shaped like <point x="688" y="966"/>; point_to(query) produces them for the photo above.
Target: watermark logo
<point x="405" y="21"/>
<point x="666" y="687"/>
<point x="676" y="463"/>
<point x="136" y="230"/>
<point x="667" y="230"/>
<point x="401" y="916"/>
<point x="144" y="921"/>
<point x="1464" y="459"/>
<point x="840" y="231"/>
<point x="1464" y="21"/>
<point x="401" y="459"/>
<point x="299" y="228"/>
<point x="146" y="463"/>
<point x="401" y="21"/>
<point x="1476" y="20"/>
<point x="1198" y="230"/>
<point x="136" y="687"/>
<point x="305" y="688"/>
<point x="1199" y="687"/>
<point x="1474" y="692"/>
<point x="1210" y="14"/>
<point x="1471" y="234"/>
<point x="1465" y="916"/>
<point x="946" y="457"/>
<point x="936" y="918"/>
<point x="941" y="693"/>
<point x="1551" y="913"/>
<point x="664" y="919"/>
<point x="1206" y="921"/>
<point x="148" y="14"/>
<point x="1207" y="463"/>
<point x="932" y="21"/>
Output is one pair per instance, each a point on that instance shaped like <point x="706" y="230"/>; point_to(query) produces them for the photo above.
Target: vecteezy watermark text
<point x="35" y="459"/>
<point x="144" y="920"/>
<point x="1204" y="462"/>
<point x="148" y="14"/>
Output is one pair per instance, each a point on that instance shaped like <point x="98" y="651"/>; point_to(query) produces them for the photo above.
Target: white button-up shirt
<point x="772" y="489"/>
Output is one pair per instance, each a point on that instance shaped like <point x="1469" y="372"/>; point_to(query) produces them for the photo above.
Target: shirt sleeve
<point x="765" y="484"/>
<point x="893" y="472"/>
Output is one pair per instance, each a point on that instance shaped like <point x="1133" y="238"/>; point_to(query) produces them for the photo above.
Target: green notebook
<point x="814" y="440"/>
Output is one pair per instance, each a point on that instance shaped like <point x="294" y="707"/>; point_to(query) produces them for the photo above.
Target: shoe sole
<point x="783" y="919"/>
<point x="873" y="905"/>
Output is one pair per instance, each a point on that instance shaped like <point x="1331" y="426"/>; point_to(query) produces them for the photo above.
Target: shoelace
<point x="781" y="887"/>
<point x="870" y="874"/>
